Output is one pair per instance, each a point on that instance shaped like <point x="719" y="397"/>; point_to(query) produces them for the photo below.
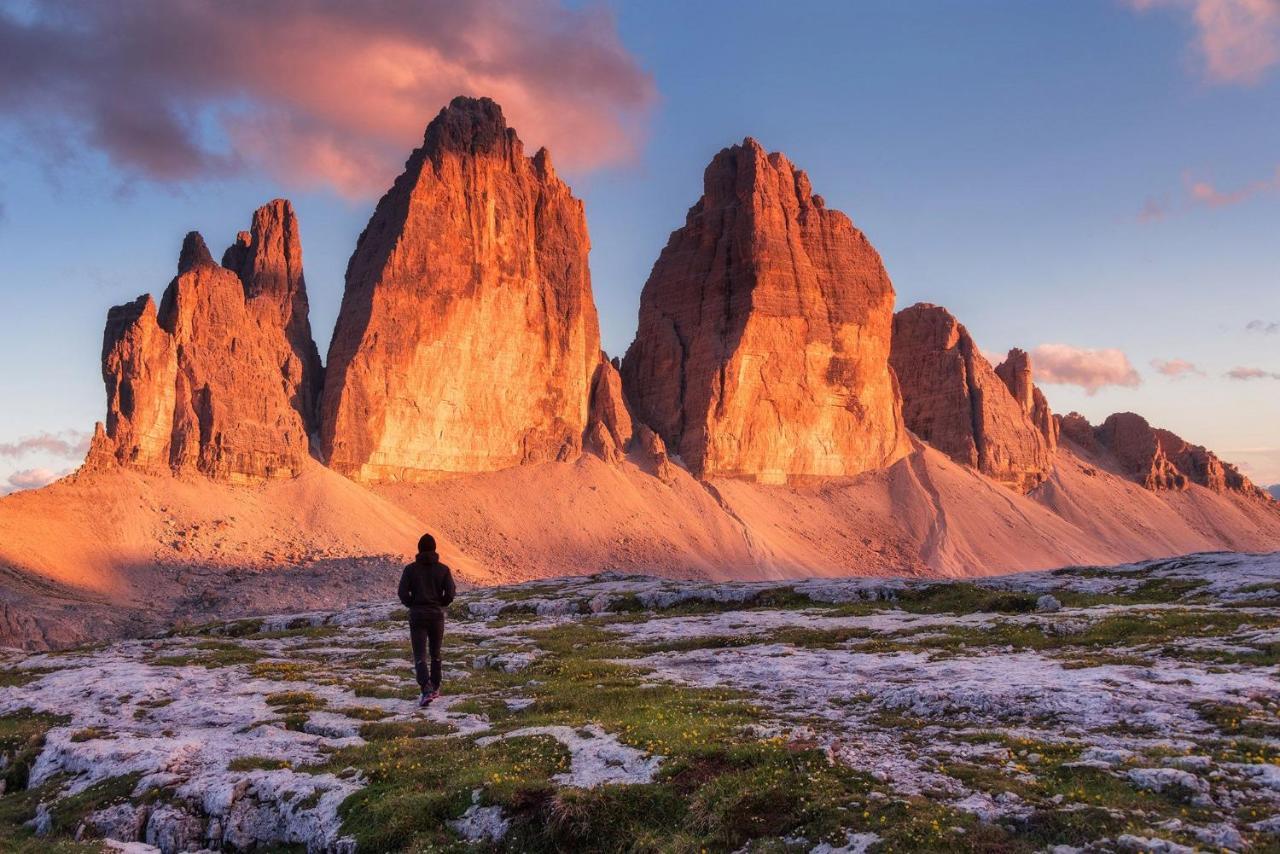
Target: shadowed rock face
<point x="763" y="341"/>
<point x="268" y="260"/>
<point x="609" y="426"/>
<point x="953" y="399"/>
<point x="1016" y="373"/>
<point x="207" y="383"/>
<point x="1160" y="459"/>
<point x="467" y="339"/>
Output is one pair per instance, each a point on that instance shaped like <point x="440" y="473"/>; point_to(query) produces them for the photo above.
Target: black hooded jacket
<point x="426" y="585"/>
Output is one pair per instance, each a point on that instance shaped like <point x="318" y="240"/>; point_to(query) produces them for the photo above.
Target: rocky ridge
<point x="468" y="342"/>
<point x="1158" y="459"/>
<point x="205" y="383"/>
<point x="955" y="401"/>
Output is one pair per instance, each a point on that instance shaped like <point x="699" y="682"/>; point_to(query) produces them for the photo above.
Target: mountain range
<point x="774" y="417"/>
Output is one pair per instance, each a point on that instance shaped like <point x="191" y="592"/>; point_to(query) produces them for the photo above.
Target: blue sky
<point x="1000" y="155"/>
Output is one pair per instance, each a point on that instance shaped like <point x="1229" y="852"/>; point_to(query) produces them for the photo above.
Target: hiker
<point x="426" y="589"/>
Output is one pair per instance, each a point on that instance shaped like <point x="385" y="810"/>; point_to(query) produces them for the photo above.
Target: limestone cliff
<point x="467" y="339"/>
<point x="953" y="399"/>
<point x="763" y="340"/>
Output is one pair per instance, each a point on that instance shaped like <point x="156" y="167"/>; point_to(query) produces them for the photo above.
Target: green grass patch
<point x="258" y="763"/>
<point x="22" y="736"/>
<point x="295" y="701"/>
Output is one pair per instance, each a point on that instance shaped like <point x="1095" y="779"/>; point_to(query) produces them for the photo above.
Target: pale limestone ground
<point x="1146" y="692"/>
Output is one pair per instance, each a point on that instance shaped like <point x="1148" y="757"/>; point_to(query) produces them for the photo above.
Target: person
<point x="426" y="589"/>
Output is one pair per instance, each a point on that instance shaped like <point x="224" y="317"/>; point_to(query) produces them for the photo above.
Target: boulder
<point x="953" y="399"/>
<point x="467" y="340"/>
<point x="763" y="340"/>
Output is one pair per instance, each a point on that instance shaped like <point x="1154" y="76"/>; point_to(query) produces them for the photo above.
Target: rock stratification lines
<point x="468" y="337"/>
<point x="207" y="383"/>
<point x="763" y="340"/>
<point x="954" y="400"/>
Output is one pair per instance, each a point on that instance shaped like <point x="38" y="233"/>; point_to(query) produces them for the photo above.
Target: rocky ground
<point x="1132" y="708"/>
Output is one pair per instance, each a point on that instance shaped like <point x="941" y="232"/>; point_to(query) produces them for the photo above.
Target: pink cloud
<point x="1205" y="193"/>
<point x="1089" y="369"/>
<point x="315" y="92"/>
<point x="70" y="444"/>
<point x="1176" y="368"/>
<point x="1201" y="193"/>
<point x="1153" y="210"/>
<point x="1252" y="374"/>
<point x="30" y="479"/>
<point x="1238" y="40"/>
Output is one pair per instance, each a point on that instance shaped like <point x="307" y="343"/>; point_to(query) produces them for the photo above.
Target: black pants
<point x="426" y="630"/>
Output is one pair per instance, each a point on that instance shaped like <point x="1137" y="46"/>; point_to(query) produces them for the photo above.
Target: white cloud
<point x="1089" y="369"/>
<point x="1237" y="40"/>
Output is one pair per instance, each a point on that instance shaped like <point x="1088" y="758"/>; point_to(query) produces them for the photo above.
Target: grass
<point x="294" y="701"/>
<point x="14" y="678"/>
<point x="22" y="736"/>
<point x="258" y="763"/>
<point x="209" y="654"/>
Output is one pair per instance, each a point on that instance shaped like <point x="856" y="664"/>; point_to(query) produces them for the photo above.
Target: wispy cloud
<point x="314" y="92"/>
<point x="1251" y="374"/>
<point x="1265" y="327"/>
<point x="1237" y="40"/>
<point x="30" y="479"/>
<point x="1209" y="195"/>
<point x="69" y="444"/>
<point x="1089" y="369"/>
<point x="1201" y="193"/>
<point x="1153" y="210"/>
<point x="1176" y="368"/>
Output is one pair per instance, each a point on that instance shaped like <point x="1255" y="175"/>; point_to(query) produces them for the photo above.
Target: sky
<point x="1097" y="182"/>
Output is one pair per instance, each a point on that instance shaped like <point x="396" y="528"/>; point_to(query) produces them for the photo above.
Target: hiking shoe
<point x="434" y="695"/>
<point x="424" y="699"/>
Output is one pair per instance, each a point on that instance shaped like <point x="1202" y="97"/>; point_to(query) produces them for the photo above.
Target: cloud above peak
<point x="1089" y="369"/>
<point x="313" y="92"/>
<point x="1237" y="40"/>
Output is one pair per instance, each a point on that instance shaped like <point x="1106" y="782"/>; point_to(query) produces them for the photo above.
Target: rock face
<point x="953" y="399"/>
<point x="1077" y="428"/>
<point x="1137" y="447"/>
<point x="1158" y="459"/>
<point x="609" y="426"/>
<point x="763" y="340"/>
<point x="268" y="260"/>
<point x="140" y="369"/>
<point x="467" y="339"/>
<point x="1016" y="373"/>
<point x="207" y="383"/>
